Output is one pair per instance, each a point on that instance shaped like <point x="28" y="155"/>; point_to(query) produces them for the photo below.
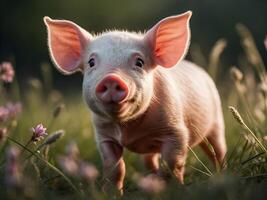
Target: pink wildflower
<point x="69" y="165"/>
<point x="74" y="166"/>
<point x="3" y="114"/>
<point x="14" y="109"/>
<point x="69" y="162"/>
<point x="10" y="111"/>
<point x="12" y="170"/>
<point x="88" y="172"/>
<point x="152" y="184"/>
<point x="72" y="150"/>
<point x="38" y="133"/>
<point x="6" y="72"/>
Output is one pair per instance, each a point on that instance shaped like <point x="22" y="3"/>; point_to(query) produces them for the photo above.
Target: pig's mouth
<point x="116" y="108"/>
<point x="120" y="111"/>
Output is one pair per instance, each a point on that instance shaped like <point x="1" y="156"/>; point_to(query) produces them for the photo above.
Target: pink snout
<point x="112" y="89"/>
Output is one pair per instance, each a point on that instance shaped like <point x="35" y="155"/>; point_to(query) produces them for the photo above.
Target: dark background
<point x="23" y="34"/>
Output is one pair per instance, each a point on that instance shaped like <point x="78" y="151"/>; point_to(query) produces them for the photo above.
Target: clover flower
<point x="6" y="72"/>
<point x="38" y="133"/>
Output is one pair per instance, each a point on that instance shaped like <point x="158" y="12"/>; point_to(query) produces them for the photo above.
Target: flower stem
<point x="27" y="144"/>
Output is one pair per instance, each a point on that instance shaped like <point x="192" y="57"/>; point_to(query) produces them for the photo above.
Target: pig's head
<point x="118" y="66"/>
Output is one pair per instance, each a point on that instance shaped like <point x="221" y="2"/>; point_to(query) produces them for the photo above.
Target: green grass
<point x="244" y="178"/>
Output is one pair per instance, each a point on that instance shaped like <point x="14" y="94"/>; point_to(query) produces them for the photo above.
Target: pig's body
<point x="143" y="96"/>
<point x="184" y="97"/>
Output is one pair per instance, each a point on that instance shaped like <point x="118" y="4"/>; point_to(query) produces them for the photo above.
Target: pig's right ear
<point x="169" y="39"/>
<point x="67" y="43"/>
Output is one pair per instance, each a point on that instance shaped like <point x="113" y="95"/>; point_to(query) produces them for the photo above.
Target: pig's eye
<point x="91" y="62"/>
<point x="139" y="62"/>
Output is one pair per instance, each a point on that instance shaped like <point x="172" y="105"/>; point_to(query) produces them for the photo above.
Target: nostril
<point x="119" y="88"/>
<point x="104" y="89"/>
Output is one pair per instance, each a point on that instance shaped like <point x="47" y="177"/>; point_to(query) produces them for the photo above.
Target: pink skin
<point x="141" y="105"/>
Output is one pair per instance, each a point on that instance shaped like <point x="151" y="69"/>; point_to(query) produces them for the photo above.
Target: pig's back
<point x="198" y="97"/>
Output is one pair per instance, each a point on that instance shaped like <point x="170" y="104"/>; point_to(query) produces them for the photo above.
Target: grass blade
<point x="206" y="168"/>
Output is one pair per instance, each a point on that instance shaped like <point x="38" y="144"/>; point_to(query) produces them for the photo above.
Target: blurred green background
<point x="23" y="34"/>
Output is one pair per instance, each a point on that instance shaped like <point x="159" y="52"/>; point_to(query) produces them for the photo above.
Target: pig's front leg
<point x="113" y="165"/>
<point x="173" y="152"/>
<point x="151" y="162"/>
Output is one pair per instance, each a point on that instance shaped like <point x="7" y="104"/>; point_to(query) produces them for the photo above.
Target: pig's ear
<point x="169" y="39"/>
<point x="67" y="42"/>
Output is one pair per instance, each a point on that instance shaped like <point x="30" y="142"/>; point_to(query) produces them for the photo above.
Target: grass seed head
<point x="54" y="137"/>
<point x="263" y="87"/>
<point x="58" y="110"/>
<point x="236" y="115"/>
<point x="259" y="114"/>
<point x="35" y="84"/>
<point x="236" y="74"/>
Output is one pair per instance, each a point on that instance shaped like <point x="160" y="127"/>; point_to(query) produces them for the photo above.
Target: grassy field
<point x="64" y="163"/>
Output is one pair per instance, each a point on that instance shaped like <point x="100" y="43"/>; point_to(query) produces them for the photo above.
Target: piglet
<point x="142" y="94"/>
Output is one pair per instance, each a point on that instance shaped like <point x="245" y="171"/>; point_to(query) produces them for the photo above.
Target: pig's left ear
<point x="169" y="39"/>
<point x="67" y="43"/>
